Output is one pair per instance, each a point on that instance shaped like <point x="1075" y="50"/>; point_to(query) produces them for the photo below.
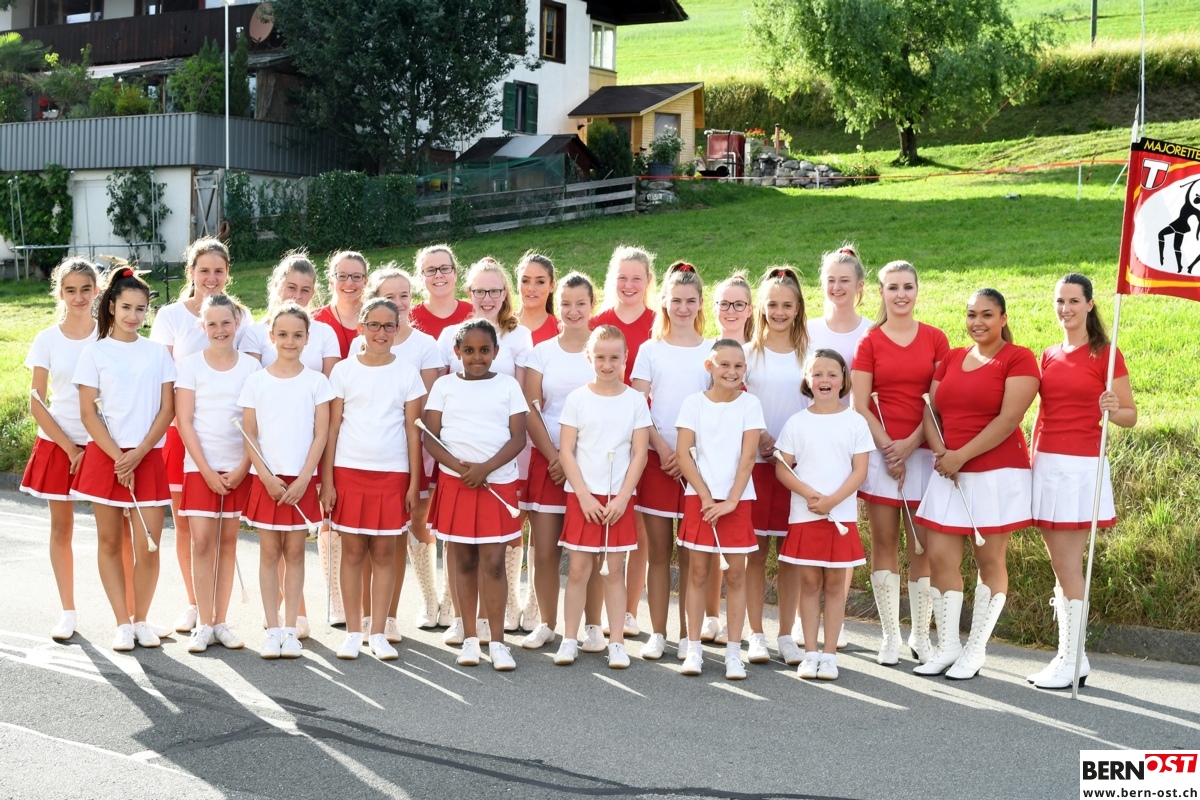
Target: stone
<point x="807" y="165"/>
<point x="659" y="185"/>
<point x="791" y="164"/>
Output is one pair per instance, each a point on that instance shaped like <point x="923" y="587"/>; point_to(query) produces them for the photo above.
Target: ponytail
<point x="1096" y="332"/>
<point x="120" y="279"/>
<point x="787" y="277"/>
<point x="846" y="254"/>
<point x="683" y="274"/>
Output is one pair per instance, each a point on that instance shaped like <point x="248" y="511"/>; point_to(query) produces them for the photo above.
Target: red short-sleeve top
<point x="424" y="320"/>
<point x="901" y="374"/>
<point x="345" y="335"/>
<point x="1068" y="419"/>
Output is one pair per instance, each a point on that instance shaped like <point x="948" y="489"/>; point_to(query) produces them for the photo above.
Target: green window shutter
<point x="510" y="106"/>
<point x="531" y="108"/>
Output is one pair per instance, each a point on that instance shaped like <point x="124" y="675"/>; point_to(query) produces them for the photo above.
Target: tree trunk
<point x="908" y="145"/>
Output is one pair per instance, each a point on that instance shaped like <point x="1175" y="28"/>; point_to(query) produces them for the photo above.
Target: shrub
<point x="135" y="205"/>
<point x="611" y="146"/>
<point x="132" y="100"/>
<point x="666" y="146"/>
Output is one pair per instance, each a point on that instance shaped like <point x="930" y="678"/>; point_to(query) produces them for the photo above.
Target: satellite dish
<point x="262" y="23"/>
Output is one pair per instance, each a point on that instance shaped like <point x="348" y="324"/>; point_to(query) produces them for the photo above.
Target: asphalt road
<point x="78" y="720"/>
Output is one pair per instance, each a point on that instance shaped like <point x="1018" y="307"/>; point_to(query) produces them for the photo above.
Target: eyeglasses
<point x="375" y="327"/>
<point x="445" y="269"/>
<point x="737" y="305"/>
<point x="343" y="277"/>
<point x="479" y="294"/>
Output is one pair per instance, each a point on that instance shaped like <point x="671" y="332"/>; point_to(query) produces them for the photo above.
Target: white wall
<point x="561" y="87"/>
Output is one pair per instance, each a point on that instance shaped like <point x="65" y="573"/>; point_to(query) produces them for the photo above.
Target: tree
<point x="67" y="84"/>
<point x="396" y="78"/>
<point x="199" y="85"/>
<point x="17" y="59"/>
<point x="239" y="78"/>
<point x="922" y="65"/>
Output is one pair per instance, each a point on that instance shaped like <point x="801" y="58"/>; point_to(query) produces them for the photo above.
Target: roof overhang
<point x="627" y="101"/>
<point x="638" y="12"/>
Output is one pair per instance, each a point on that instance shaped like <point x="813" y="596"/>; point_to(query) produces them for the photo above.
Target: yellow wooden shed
<point x="644" y="110"/>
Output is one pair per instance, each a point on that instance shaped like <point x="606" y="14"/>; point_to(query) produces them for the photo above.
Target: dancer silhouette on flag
<point x="1181" y="225"/>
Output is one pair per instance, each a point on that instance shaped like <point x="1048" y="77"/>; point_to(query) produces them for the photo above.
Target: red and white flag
<point x="1160" y="237"/>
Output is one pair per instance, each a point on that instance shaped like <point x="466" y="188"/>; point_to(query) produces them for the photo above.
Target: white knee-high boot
<point x="886" y="586"/>
<point x="984" y="615"/>
<point x="947" y="611"/>
<point x="920" y="606"/>
<point x="1056" y="605"/>
<point x="424" y="559"/>
<point x="1070" y="615"/>
<point x="512" y="571"/>
<point x="446" y="599"/>
<point x="329" y="546"/>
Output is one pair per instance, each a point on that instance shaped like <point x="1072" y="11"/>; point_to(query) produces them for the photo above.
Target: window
<point x="59" y="12"/>
<point x="554" y="32"/>
<point x="663" y="120"/>
<point x="520" y="107"/>
<point x="604" y="46"/>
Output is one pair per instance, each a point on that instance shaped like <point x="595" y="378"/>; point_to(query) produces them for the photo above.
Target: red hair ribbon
<point x="125" y="273"/>
<point x="683" y="266"/>
<point x="780" y="273"/>
<point x="848" y="251"/>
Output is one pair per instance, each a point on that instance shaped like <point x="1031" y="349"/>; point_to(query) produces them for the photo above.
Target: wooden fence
<point x="499" y="211"/>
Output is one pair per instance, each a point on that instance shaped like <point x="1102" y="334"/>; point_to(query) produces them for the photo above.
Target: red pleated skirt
<point x="658" y="493"/>
<point x="736" y="530"/>
<point x="173" y="450"/>
<point x="772" y="504"/>
<point x="200" y="501"/>
<point x="263" y="512"/>
<point x="96" y="480"/>
<point x="542" y="494"/>
<point x="369" y="502"/>
<point x="473" y="516"/>
<point x="818" y="544"/>
<point x="579" y="534"/>
<point x="48" y="473"/>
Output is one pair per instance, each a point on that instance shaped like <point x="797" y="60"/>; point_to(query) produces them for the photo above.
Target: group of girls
<point x="618" y="434"/>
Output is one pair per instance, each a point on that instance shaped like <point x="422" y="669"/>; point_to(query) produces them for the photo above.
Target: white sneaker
<point x="842" y="640"/>
<point x="454" y="634"/>
<point x="723" y="635"/>
<point x="227" y="636"/>
<point x="65" y="628"/>
<point x="350" y="646"/>
<point x="655" y="648"/>
<point x="593" y="639"/>
<point x="202" y="637"/>
<point x="502" y="660"/>
<point x="692" y="663"/>
<point x="483" y="631"/>
<point x="710" y="628"/>
<point x="187" y="620"/>
<point x="631" y="625"/>
<point x="681" y="650"/>
<point x="617" y="657"/>
<point x="291" y="647"/>
<point x="382" y="649"/>
<point x="273" y="644"/>
<point x="541" y="636"/>
<point x="758" y="653"/>
<point x="469" y="655"/>
<point x="735" y="670"/>
<point x="302" y="628"/>
<point x="161" y="631"/>
<point x="391" y="631"/>
<point x="808" y="667"/>
<point x="145" y="635"/>
<point x="566" y="653"/>
<point x="788" y="651"/>
<point x="827" y="670"/>
<point x="124" y="640"/>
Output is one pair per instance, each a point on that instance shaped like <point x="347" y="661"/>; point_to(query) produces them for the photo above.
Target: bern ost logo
<point x="1124" y="770"/>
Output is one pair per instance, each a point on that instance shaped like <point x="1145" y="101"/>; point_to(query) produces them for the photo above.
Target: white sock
<point x="287" y="631"/>
<point x="830" y="657"/>
<point x="733" y="649"/>
<point x="812" y="655"/>
<point x="785" y="639"/>
<point x="571" y="641"/>
<point x="695" y="648"/>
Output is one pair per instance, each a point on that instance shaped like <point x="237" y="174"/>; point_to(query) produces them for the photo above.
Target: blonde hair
<point x="846" y="254"/>
<point x="887" y="269"/>
<point x="533" y="257"/>
<point x="292" y="261"/>
<point x="288" y="308"/>
<point x="381" y="275"/>
<point x="680" y="273"/>
<point x="340" y="256"/>
<point x="629" y="253"/>
<point x="425" y="252"/>
<point x="200" y="247"/>
<point x="72" y="265"/>
<point x="606" y="333"/>
<point x="738" y="281"/>
<point x="787" y="277"/>
<point x="506" y="318"/>
<point x="225" y="301"/>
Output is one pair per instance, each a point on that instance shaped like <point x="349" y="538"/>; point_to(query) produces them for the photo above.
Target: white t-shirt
<point x="774" y="378"/>
<point x="719" y="428"/>
<point x="373" y="435"/>
<point x="821" y="338"/>
<point x="58" y="355"/>
<point x="674" y="373"/>
<point x="322" y="344"/>
<point x="183" y="332"/>
<point x="562" y="373"/>
<point x="475" y="418"/>
<point x="285" y="409"/>
<point x="824" y="446"/>
<point x="604" y="424"/>
<point x="216" y="405"/>
<point x="515" y="347"/>
<point x="130" y="377"/>
<point x="419" y="350"/>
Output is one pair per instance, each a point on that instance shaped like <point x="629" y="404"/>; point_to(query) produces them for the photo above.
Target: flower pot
<point x="660" y="170"/>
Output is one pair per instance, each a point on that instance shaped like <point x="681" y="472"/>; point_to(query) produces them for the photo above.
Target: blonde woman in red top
<point x="347" y="274"/>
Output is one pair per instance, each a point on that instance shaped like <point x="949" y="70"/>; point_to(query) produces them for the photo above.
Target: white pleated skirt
<point x="880" y="487"/>
<point x="999" y="499"/>
<point x="1064" y="492"/>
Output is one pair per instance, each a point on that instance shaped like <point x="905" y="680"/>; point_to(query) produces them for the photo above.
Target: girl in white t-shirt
<point x="480" y="416"/>
<point x="828" y="443"/>
<point x="61" y="435"/>
<point x="556" y="369"/>
<point x="134" y="379"/>
<point x="177" y="326"/>
<point x="215" y="466"/>
<point x="419" y="350"/>
<point x="774" y="371"/>
<point x="286" y="419"/>
<point x="669" y="367"/>
<point x="372" y="458"/>
<point x="721" y="426"/>
<point x="605" y="430"/>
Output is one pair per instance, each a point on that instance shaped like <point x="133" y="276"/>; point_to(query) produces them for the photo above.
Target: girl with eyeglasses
<point x="346" y="271"/>
<point x="733" y="308"/>
<point x="372" y="458"/>
<point x="436" y="270"/>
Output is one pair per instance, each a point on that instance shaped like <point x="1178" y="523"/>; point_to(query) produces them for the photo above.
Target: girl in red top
<point x="1066" y="444"/>
<point x="981" y="394"/>
<point x="630" y="291"/>
<point x="347" y="273"/>
<point x="535" y="282"/>
<point x="896" y="361"/>
<point x="436" y="268"/>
